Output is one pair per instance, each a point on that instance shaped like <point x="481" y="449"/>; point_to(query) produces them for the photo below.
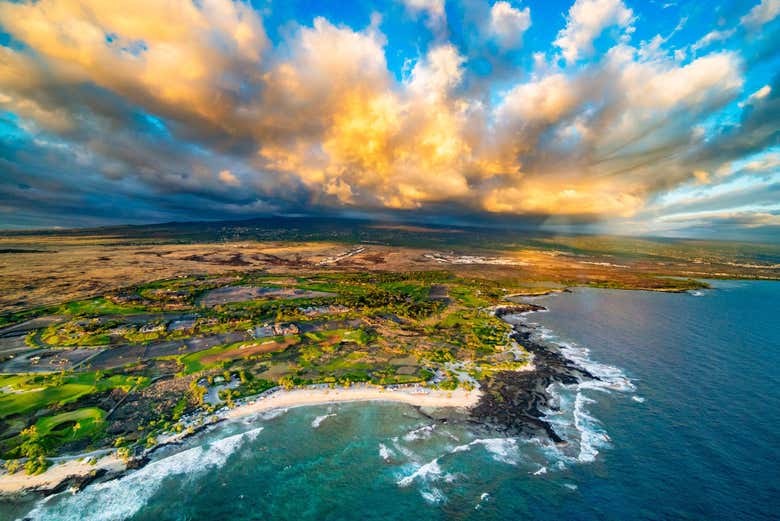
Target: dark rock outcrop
<point x="514" y="401"/>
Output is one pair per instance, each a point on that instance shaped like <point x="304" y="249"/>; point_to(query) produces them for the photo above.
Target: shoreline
<point x="511" y="402"/>
<point x="515" y="403"/>
<point x="417" y="397"/>
<point x="76" y="472"/>
<point x="79" y="472"/>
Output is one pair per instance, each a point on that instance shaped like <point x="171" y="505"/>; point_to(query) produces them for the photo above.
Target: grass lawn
<point x="355" y="362"/>
<point x="60" y="428"/>
<point x="216" y="355"/>
<point x="17" y="403"/>
<point x="40" y="394"/>
<point x="98" y="306"/>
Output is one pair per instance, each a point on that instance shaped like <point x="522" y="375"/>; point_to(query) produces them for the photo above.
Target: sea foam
<point x="420" y="433"/>
<point x="502" y="449"/>
<point x="319" y="419"/>
<point x="568" y="413"/>
<point x="124" y="497"/>
<point x="427" y="471"/>
<point x="384" y="452"/>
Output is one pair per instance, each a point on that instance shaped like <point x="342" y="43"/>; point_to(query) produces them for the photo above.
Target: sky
<point x="605" y="116"/>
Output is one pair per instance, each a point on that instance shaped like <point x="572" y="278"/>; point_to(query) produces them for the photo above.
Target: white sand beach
<point x="78" y="467"/>
<point x="300" y="397"/>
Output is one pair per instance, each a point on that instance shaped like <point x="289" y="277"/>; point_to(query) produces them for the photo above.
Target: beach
<point x="74" y="469"/>
<point x="79" y="469"/>
<point x="419" y="397"/>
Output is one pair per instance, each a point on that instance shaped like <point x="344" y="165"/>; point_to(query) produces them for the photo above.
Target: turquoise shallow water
<point x="694" y="436"/>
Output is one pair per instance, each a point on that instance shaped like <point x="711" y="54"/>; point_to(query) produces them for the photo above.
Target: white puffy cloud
<point x="656" y="86"/>
<point x="762" y="13"/>
<point x="545" y="101"/>
<point x="434" y="10"/>
<point x="438" y="73"/>
<point x="507" y="24"/>
<point x="586" y="20"/>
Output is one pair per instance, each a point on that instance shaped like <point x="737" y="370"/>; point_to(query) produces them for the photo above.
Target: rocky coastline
<point x="513" y="402"/>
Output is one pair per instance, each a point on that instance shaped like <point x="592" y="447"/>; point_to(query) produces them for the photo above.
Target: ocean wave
<point x="592" y="438"/>
<point x="384" y="452"/>
<point x="433" y="496"/>
<point x="319" y="419"/>
<point x="504" y="450"/>
<point x="408" y="454"/>
<point x="609" y="376"/>
<point x="423" y="472"/>
<point x="124" y="497"/>
<point x="420" y="433"/>
<point x="269" y="415"/>
<point x="568" y="413"/>
<point x="573" y="422"/>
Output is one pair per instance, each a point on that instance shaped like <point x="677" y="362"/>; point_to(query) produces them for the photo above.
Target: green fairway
<point x="224" y="354"/>
<point x="98" y="306"/>
<point x="18" y="403"/>
<point x="38" y="392"/>
<point x="71" y="426"/>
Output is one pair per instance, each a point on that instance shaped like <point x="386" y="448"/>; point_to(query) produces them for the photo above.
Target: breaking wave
<point x="504" y="450"/>
<point x="123" y="497"/>
<point x="569" y="415"/>
<point x="430" y="469"/>
<point x="420" y="433"/>
<point x="384" y="452"/>
<point x="319" y="419"/>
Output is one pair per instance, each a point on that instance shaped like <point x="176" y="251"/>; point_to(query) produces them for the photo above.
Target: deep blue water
<point x="705" y="443"/>
<point x="694" y="436"/>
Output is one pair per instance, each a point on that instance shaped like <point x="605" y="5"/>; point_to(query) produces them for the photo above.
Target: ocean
<point x="684" y="425"/>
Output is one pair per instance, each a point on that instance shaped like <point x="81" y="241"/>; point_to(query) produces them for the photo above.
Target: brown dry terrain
<point x="45" y="269"/>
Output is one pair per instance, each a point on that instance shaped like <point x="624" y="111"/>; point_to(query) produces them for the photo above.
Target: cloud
<point x="710" y="38"/>
<point x="757" y="96"/>
<point x="706" y="80"/>
<point x="433" y="9"/>
<point x="755" y="132"/>
<point x="766" y="162"/>
<point x="702" y="177"/>
<point x="181" y="60"/>
<point x="227" y="177"/>
<point x="743" y="219"/>
<point x="544" y="100"/>
<point x="190" y="108"/>
<point x="507" y="24"/>
<point x="438" y="73"/>
<point x="586" y="20"/>
<point x="763" y="13"/>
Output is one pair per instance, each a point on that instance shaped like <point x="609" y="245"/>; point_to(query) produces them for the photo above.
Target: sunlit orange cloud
<point x="159" y="54"/>
<point x="323" y="111"/>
